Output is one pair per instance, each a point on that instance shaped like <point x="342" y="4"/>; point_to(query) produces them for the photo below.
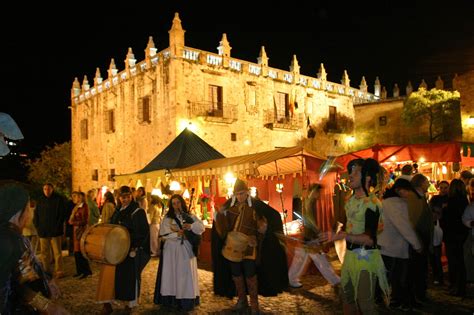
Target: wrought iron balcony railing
<point x="294" y="122"/>
<point x="216" y="112"/>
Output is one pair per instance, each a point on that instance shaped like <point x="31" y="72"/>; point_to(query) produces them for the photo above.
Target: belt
<point x="351" y="246"/>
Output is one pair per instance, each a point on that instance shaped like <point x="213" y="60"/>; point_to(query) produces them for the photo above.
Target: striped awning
<point x="281" y="161"/>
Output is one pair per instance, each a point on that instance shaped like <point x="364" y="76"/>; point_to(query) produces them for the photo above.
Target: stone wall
<point x="381" y="122"/>
<point x="465" y="85"/>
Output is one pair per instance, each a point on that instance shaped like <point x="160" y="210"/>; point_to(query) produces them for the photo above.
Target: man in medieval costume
<point x="127" y="275"/>
<point x="247" y="251"/>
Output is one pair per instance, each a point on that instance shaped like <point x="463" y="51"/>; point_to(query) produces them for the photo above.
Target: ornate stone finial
<point x="112" y="69"/>
<point x="176" y="36"/>
<point x="439" y="84"/>
<point x="363" y="85"/>
<point x="150" y="51"/>
<point x="455" y="81"/>
<point x="85" y="84"/>
<point x="345" y="79"/>
<point x="322" y="74"/>
<point x="396" y="90"/>
<point x="224" y="46"/>
<point x="263" y="59"/>
<point x="294" y="67"/>
<point x="130" y="60"/>
<point x="423" y="85"/>
<point x="377" y="86"/>
<point x="383" y="94"/>
<point x="98" y="77"/>
<point x="76" y="87"/>
<point x="176" y="26"/>
<point x="409" y="88"/>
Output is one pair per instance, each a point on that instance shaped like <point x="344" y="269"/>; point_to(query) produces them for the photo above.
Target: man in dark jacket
<point x="49" y="219"/>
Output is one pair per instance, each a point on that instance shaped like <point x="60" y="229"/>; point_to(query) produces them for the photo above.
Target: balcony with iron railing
<point x="214" y="112"/>
<point x="291" y="122"/>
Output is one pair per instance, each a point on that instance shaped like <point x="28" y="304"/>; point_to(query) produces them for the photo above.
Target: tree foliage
<point x="53" y="166"/>
<point x="439" y="108"/>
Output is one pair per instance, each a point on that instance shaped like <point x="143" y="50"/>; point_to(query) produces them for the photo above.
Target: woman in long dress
<point x="177" y="279"/>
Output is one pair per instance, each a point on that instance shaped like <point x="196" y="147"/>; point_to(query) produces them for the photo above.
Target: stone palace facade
<point x="120" y="123"/>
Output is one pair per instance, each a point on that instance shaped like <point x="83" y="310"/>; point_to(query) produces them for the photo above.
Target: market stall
<point x="438" y="161"/>
<point x="277" y="177"/>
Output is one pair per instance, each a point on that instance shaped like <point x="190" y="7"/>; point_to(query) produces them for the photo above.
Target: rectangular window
<point x="252" y="96"/>
<point x="109" y="121"/>
<point x="95" y="175"/>
<point x="233" y="136"/>
<point x="282" y="107"/>
<point x="216" y="101"/>
<point x="144" y="109"/>
<point x="382" y="120"/>
<point x="111" y="175"/>
<point x="84" y="130"/>
<point x="332" y="121"/>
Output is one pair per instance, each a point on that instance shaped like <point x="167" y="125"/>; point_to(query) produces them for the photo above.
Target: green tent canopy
<point x="185" y="150"/>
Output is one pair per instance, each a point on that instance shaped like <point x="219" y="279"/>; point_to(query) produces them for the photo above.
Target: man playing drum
<point x="252" y="252"/>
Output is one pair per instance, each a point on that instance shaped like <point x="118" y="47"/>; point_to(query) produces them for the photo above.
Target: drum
<point x="235" y="245"/>
<point x="105" y="243"/>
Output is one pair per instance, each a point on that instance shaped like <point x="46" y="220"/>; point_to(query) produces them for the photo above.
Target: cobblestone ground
<point x="315" y="297"/>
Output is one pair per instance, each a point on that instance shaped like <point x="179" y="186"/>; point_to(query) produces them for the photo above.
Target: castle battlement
<point x="219" y="61"/>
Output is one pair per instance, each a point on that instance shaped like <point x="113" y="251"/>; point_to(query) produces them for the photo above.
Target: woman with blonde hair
<point x="108" y="208"/>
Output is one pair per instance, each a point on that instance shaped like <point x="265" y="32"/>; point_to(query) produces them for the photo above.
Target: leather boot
<point x="252" y="286"/>
<point x="242" y="302"/>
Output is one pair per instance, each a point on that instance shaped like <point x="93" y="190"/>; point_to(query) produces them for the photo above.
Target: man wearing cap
<point x="262" y="266"/>
<point x="128" y="272"/>
<point x="23" y="283"/>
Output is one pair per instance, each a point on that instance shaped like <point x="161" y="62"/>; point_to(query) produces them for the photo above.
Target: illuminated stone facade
<point x="122" y="122"/>
<point x="465" y="85"/>
<point x="381" y="122"/>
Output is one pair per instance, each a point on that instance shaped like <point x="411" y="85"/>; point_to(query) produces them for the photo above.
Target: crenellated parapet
<point x="221" y="60"/>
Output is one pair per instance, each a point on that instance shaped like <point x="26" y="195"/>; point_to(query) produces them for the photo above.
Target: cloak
<point x="272" y="265"/>
<point x="128" y="272"/>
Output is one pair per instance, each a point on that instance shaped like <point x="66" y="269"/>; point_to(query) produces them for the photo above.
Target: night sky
<point x="47" y="45"/>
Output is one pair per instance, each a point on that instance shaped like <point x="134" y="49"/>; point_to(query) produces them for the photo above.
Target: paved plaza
<point x="315" y="297"/>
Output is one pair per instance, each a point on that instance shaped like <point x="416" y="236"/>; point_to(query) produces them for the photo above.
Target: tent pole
<point x="281" y="200"/>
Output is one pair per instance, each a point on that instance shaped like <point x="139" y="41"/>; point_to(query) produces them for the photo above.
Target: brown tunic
<point x="243" y="219"/>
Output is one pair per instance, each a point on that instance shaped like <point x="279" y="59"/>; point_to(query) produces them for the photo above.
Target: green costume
<point x="359" y="211"/>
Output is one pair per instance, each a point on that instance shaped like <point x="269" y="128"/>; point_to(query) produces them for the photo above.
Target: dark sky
<point x="47" y="45"/>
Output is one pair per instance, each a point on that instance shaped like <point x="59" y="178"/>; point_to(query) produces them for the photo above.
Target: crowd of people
<point x="397" y="237"/>
<point x="173" y="235"/>
<point x="397" y="234"/>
